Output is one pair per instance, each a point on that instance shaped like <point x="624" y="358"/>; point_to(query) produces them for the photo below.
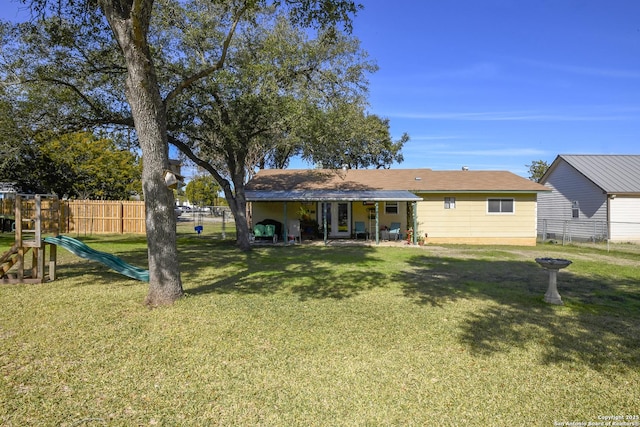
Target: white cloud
<point x="532" y="116"/>
<point x="589" y="71"/>
<point x="436" y="137"/>
<point x="494" y="152"/>
<point x="482" y="70"/>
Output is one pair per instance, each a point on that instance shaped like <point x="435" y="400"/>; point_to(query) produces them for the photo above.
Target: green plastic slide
<point x="113" y="262"/>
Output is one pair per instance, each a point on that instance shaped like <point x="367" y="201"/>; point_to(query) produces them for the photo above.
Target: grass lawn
<point x="313" y="335"/>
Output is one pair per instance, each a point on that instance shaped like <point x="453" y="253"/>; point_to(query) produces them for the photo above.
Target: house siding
<point x="385" y="219"/>
<point x="470" y="223"/>
<point x="275" y="211"/>
<point x="555" y="208"/>
<point x="625" y="219"/>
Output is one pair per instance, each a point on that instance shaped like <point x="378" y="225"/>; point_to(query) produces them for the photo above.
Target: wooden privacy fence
<point x="102" y="217"/>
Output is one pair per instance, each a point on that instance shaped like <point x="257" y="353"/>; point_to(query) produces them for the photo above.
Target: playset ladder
<point x="32" y="221"/>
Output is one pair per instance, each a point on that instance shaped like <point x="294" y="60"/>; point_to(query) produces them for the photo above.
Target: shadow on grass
<point x="599" y="324"/>
<point x="94" y="273"/>
<point x="309" y="273"/>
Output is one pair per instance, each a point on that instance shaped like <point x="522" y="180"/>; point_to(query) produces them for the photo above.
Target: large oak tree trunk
<point x="238" y="206"/>
<point x="130" y="22"/>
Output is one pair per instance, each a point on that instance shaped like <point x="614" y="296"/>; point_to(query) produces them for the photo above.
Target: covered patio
<point x="337" y="212"/>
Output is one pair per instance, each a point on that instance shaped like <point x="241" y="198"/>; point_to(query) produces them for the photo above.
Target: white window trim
<point x="451" y="204"/>
<point x="513" y="200"/>
<point x="397" y="206"/>
<point x="575" y="208"/>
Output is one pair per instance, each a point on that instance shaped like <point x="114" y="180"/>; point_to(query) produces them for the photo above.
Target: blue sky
<point x="496" y="84"/>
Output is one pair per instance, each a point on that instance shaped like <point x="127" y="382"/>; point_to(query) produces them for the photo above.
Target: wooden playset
<point x="30" y="217"/>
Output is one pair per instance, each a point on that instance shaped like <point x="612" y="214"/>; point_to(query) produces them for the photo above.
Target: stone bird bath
<point x="552" y="265"/>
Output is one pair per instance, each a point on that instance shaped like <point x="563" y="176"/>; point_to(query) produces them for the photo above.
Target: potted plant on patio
<point x="409" y="236"/>
<point x="309" y="227"/>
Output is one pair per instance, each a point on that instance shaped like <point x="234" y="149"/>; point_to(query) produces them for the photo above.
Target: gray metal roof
<point x="331" y="195"/>
<point x="612" y="173"/>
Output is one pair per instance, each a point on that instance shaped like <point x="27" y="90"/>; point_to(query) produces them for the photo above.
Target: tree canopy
<point x="276" y="97"/>
<point x="537" y="169"/>
<point x="202" y="191"/>
<point x="78" y="165"/>
<point x="346" y="136"/>
<point x="281" y="93"/>
<point x="234" y="85"/>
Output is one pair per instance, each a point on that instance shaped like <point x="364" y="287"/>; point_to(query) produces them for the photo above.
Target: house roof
<point x="331" y="195"/>
<point x="612" y="173"/>
<point x="370" y="181"/>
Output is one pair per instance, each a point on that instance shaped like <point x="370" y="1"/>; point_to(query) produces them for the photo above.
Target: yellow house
<point x="471" y="207"/>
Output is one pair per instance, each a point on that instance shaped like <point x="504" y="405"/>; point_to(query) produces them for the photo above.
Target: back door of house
<point x="338" y="218"/>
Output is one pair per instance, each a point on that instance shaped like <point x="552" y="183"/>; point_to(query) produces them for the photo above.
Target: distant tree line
<point x="77" y="166"/>
<point x="537" y="169"/>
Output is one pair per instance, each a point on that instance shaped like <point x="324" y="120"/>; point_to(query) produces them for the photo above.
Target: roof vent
<point x="465" y="168"/>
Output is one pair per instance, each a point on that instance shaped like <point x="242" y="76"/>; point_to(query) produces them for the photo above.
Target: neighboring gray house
<point x="593" y="197"/>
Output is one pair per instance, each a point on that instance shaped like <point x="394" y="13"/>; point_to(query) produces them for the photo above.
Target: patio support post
<point x="285" y="230"/>
<point x="324" y="221"/>
<point x="377" y="225"/>
<point x="415" y="222"/>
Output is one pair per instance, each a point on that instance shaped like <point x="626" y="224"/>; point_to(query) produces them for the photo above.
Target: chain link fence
<point x="585" y="230"/>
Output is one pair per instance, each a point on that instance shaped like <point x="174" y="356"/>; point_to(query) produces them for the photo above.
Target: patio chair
<point x="394" y="231"/>
<point x="270" y="232"/>
<point x="294" y="230"/>
<point x="259" y="231"/>
<point x="280" y="229"/>
<point x="360" y="230"/>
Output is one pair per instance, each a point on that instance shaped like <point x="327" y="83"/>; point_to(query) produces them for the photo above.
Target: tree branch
<point x="70" y="86"/>
<point x="217" y="66"/>
<point x="187" y="151"/>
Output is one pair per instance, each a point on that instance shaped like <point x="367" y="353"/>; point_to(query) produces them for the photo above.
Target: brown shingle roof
<point x="389" y="179"/>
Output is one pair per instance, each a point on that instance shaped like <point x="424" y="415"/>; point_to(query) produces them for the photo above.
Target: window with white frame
<point x="391" y="208"/>
<point x="449" y="202"/>
<point x="500" y="206"/>
<point x="575" y="209"/>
